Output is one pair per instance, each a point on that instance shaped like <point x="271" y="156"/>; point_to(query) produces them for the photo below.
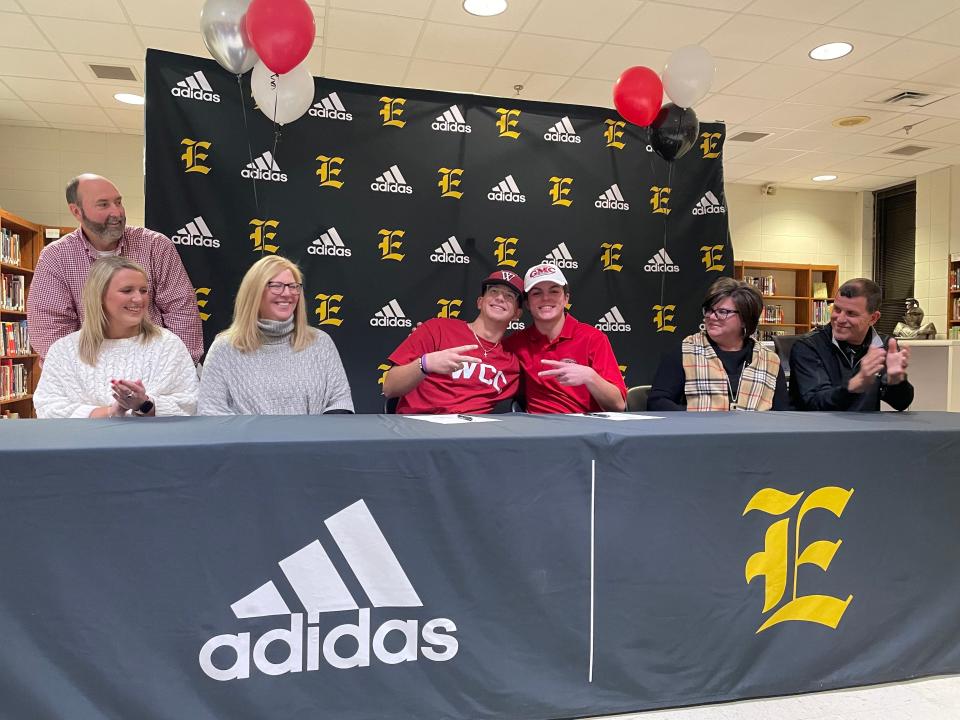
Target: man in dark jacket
<point x="848" y="365"/>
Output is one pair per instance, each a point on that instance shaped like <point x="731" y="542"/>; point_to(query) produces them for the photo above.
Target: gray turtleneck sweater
<point x="274" y="380"/>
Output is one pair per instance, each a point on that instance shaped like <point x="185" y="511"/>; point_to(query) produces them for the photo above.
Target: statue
<point x="911" y="328"/>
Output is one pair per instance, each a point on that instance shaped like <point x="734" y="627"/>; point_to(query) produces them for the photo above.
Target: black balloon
<point x="674" y="131"/>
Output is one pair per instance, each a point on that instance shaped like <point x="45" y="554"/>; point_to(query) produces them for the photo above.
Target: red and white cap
<point x="503" y="277"/>
<point x="544" y="272"/>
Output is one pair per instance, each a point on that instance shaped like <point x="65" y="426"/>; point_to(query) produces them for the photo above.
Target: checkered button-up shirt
<point x="54" y="308"/>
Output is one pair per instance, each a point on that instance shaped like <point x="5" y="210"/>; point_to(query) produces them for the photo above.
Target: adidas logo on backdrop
<point x="450" y="252"/>
<point x="195" y="87"/>
<point x="452" y="120"/>
<point x="506" y="191"/>
<point x="613" y="321"/>
<point x="709" y="205"/>
<point x="661" y="262"/>
<point x="562" y="132"/>
<point x="264" y="168"/>
<point x="516" y="325"/>
<point x="330" y="108"/>
<point x="329" y="243"/>
<point x="612" y="199"/>
<point x="391" y="181"/>
<point x="561" y="257"/>
<point x="321" y="589"/>
<point x="195" y="233"/>
<point x="390" y="315"/>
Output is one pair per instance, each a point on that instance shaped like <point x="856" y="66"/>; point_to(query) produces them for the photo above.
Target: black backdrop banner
<point x="396" y="203"/>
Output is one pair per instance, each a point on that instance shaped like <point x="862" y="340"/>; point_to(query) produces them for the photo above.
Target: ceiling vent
<point x="113" y="72"/>
<point x="748" y="137"/>
<point x="908" y="150"/>
<point x="904" y="97"/>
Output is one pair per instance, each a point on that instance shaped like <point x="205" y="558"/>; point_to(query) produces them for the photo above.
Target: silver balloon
<point x="224" y="34"/>
<point x="282" y="98"/>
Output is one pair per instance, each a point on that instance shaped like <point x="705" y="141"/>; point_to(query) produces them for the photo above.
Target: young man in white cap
<point x="568" y="366"/>
<point x="451" y="366"/>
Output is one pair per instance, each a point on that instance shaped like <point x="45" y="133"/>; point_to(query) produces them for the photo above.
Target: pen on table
<point x="599" y="415"/>
<point x="465" y="417"/>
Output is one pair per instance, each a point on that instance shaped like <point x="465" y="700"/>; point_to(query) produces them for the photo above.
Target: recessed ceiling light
<point x="129" y="98"/>
<point x="484" y="8"/>
<point x="851" y="121"/>
<point x="831" y="51"/>
<point x="824" y="178"/>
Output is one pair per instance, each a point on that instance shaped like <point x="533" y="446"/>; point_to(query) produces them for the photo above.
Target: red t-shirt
<point x="577" y="342"/>
<point x="475" y="389"/>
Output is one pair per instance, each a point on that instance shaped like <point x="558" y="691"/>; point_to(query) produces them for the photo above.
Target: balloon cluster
<point x="271" y="36"/>
<point x="638" y="96"/>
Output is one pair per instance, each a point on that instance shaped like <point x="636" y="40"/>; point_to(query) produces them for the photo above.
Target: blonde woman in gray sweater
<point x="270" y="361"/>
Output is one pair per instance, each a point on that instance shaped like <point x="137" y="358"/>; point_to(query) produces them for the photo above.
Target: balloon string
<point x="246" y="128"/>
<point x="666" y="217"/>
<point x="276" y="126"/>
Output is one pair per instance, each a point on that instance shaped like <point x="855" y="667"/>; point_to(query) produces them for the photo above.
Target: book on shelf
<point x="955" y="310"/>
<point x="12" y="296"/>
<point x="772" y="314"/>
<point x="953" y="333"/>
<point x="15" y="338"/>
<point x="14" y="379"/>
<point x="955" y="279"/>
<point x="8" y="415"/>
<point x="769" y="335"/>
<point x="821" y="312"/>
<point x="9" y="247"/>
<point x="765" y="284"/>
<point x="820" y="290"/>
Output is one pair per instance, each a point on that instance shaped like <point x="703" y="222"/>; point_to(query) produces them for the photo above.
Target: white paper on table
<point x="452" y="419"/>
<point x="617" y="416"/>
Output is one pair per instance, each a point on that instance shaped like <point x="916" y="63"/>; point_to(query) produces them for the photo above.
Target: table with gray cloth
<point x="370" y="566"/>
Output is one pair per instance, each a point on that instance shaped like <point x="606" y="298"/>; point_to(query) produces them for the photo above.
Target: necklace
<point x="480" y="343"/>
<point x="735" y="397"/>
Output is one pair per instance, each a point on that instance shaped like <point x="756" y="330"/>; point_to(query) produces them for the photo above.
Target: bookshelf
<point x="953" y="297"/>
<point x="788" y="290"/>
<point x="20" y="244"/>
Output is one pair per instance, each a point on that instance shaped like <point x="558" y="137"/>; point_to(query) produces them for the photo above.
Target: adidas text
<point x="554" y="136"/>
<point x="709" y="210"/>
<point x="195" y="240"/>
<point x="391" y="187"/>
<point x="661" y="267"/>
<point x="390" y="322"/>
<point x="516" y="325"/>
<point x="506" y="197"/>
<point x="450" y="258"/>
<point x="612" y="204"/>
<point x="258" y="174"/>
<point x="612" y="327"/>
<point x="439" y="646"/>
<point x="565" y="264"/>
<point x="330" y="114"/>
<point x="329" y="250"/>
<point x="194" y="94"/>
<point x="451" y="126"/>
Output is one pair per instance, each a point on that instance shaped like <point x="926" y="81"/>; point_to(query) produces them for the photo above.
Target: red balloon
<point x="638" y="95"/>
<point x="281" y="31"/>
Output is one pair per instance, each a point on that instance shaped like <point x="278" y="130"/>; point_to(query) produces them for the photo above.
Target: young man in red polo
<point x="451" y="366"/>
<point x="568" y="366"/>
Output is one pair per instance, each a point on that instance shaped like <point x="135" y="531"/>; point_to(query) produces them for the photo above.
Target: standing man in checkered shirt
<point x="53" y="306"/>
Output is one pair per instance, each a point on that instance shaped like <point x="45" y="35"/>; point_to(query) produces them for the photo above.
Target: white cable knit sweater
<point x="69" y="388"/>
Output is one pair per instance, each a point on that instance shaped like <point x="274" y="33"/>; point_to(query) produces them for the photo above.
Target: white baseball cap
<point x="544" y="272"/>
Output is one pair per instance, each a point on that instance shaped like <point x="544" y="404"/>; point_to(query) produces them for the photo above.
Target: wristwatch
<point x="144" y="409"/>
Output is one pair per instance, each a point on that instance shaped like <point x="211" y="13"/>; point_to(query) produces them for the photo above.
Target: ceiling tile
<point x="79" y="65"/>
<point x="777" y="174"/>
<point x="944" y="133"/>
<point x="912" y="168"/>
<point x="767" y="156"/>
<point x="736" y="170"/>
<point x="816" y="162"/>
<point x="842" y="90"/>
<point x="129" y="119"/>
<point x="17" y="110"/>
<point x="539" y="53"/>
<point x="403" y="8"/>
<point x="6" y="93"/>
<point x="366" y="32"/>
<point x="459" y="44"/>
<point x="872" y="182"/>
<point x="188" y="43"/>
<point x="580" y="91"/>
<point x="792" y="115"/>
<point x="103" y="94"/>
<point x="109" y="129"/>
<point x="932" y="154"/>
<point x="9" y="6"/>
<point x="72" y="114"/>
<point x="176" y="14"/>
<point x="20" y="32"/>
<point x="856" y="143"/>
<point x="34" y="63"/>
<point x="865" y="164"/>
<point x="731" y="109"/>
<point x="667" y="27"/>
<point x="62" y="91"/>
<point x="364" y="67"/>
<point x="776" y="82"/>
<point x="596" y="20"/>
<point x="78" y="36"/>
<point x="801" y="140"/>
<point x="730" y="70"/>
<point x="892" y="16"/>
<point x="904" y="59"/>
<point x="611" y="60"/>
<point x="513" y="18"/>
<point x="750" y="37"/>
<point x="864" y="45"/>
<point x="500" y="82"/>
<point x="728" y="5"/>
<point x="816" y="11"/>
<point x="445" y="76"/>
<point x="949" y="107"/>
<point x="103" y="10"/>
<point x="944" y="30"/>
<point x="946" y="74"/>
<point x="922" y="124"/>
<point x="540" y="86"/>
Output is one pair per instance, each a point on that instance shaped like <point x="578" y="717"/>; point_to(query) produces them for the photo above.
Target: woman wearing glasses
<point x="270" y="361"/>
<point x="722" y="367"/>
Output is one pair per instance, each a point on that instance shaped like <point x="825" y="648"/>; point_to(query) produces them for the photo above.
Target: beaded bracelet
<point x="423" y="364"/>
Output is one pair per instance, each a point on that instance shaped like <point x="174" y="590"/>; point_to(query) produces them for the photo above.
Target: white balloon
<point x="688" y="75"/>
<point x="282" y="98"/>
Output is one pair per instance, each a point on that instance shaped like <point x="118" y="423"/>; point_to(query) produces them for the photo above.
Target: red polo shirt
<point x="577" y="342"/>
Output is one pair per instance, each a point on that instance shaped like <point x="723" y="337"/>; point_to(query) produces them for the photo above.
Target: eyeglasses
<point x="719" y="313"/>
<point x="499" y="291"/>
<point x="277" y="287"/>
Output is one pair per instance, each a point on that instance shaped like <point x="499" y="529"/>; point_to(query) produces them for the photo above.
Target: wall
<point x="37" y="163"/>
<point x="938" y="231"/>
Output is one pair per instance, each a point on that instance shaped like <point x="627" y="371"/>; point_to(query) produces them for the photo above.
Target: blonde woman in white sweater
<point x="119" y="363"/>
<point x="270" y="361"/>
